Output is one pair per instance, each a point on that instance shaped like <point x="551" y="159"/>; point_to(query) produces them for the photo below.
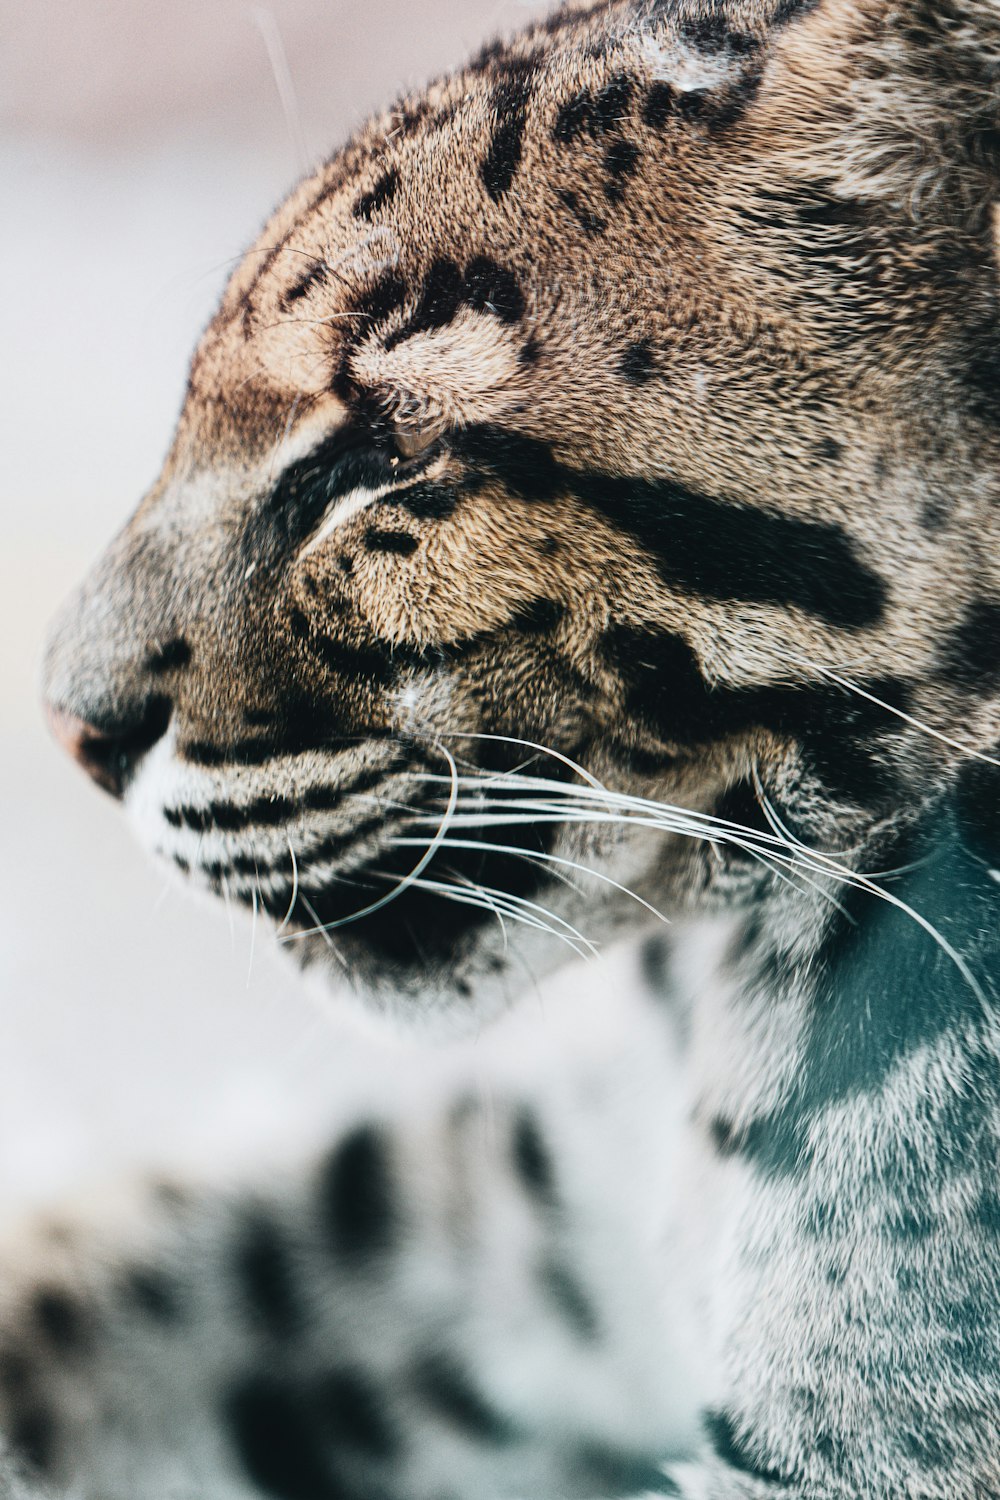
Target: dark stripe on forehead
<point x="377" y="197"/>
<point x="499" y="166"/>
<point x="484" y="286"/>
<point x="721" y="549"/>
<point x="594" y="112"/>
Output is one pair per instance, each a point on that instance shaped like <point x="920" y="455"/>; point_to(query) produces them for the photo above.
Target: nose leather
<point x="109" y="755"/>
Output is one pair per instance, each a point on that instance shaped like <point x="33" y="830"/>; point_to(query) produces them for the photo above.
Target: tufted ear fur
<point x="900" y="101"/>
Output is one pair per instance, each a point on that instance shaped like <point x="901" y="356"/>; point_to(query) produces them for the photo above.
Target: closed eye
<point x="347" y="460"/>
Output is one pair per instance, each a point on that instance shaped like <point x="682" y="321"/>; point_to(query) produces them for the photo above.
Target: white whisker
<point x="928" y="729"/>
<point x="407" y="880"/>
<point x="295" y="889"/>
<point x="325" y="935"/>
<point x="555" y="859"/>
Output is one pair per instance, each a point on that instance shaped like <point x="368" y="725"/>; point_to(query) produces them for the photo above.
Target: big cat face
<point x="526" y="470"/>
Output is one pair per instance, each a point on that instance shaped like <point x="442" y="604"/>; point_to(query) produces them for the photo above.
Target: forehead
<point x="570" y="184"/>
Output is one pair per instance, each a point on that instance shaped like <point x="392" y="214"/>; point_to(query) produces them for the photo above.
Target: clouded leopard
<point x="584" y="511"/>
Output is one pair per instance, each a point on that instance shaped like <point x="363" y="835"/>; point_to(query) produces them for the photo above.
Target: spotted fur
<point x="595" y="463"/>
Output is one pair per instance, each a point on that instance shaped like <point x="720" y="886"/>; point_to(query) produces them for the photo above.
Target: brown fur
<point x="798" y="261"/>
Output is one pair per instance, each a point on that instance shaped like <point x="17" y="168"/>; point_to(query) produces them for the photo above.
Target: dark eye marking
<point x="699" y="543"/>
<point x="390" y="541"/>
<point x="356" y="457"/>
<point x="342" y="462"/>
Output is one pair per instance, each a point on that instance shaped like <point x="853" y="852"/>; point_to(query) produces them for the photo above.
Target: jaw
<point x="433" y="901"/>
<point x="458" y="944"/>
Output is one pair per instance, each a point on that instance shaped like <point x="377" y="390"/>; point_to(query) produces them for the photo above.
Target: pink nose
<point x="110" y="755"/>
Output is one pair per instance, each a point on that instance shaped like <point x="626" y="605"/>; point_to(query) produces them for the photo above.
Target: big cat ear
<point x="896" y="101"/>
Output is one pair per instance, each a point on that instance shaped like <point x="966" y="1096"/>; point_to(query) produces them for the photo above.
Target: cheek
<point x="477" y="572"/>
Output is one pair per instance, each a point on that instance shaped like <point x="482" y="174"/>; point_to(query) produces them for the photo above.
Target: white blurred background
<point x="141" y="146"/>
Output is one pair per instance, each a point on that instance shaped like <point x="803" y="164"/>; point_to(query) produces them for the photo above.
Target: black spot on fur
<point x="16" y="1371"/>
<point x="449" y="1392"/>
<point x="358" y="1197"/>
<point x="607" y="1471"/>
<point x="277" y="1441"/>
<point x="909" y="1222"/>
<point x="484" y="285"/>
<point x="636" y="363"/>
<point x="970" y="656"/>
<point x="426" y="501"/>
<point x="792" y="10"/>
<point x="977" y="809"/>
<point x="400" y="542"/>
<point x="594" y="113"/>
<point x="155" y="1294"/>
<point x="492" y="288"/>
<point x="440" y="299"/>
<point x="724" y="1135"/>
<point x="712" y="33"/>
<point x="575" y="117"/>
<point x="169" y="658"/>
<point x="987" y="1210"/>
<point x="659" y="105"/>
<point x="530" y="352"/>
<point x="33" y="1438"/>
<point x="927" y="1447"/>
<point x="737" y="1450"/>
<point x="620" y="160"/>
<point x="829" y="449"/>
<point x="382" y="299"/>
<point x="538" y="617"/>
<point x="265" y="1274"/>
<point x="499" y="166"/>
<point x="839" y="732"/>
<point x="61" y="1320"/>
<point x="590" y="222"/>
<point x="656" y="957"/>
<point x="317" y="275"/>
<point x="720" y="548"/>
<point x="613" y="102"/>
<point x="378" y="196"/>
<point x="569" y="1299"/>
<point x="532" y="1161"/>
<point x="345" y="563"/>
<point x="355" y="1414"/>
<point x="369" y="663"/>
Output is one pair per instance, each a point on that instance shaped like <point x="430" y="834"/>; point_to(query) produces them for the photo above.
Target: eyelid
<point x="412" y="442"/>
